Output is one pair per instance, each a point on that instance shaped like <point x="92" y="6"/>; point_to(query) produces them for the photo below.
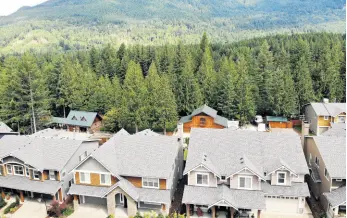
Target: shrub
<point x="138" y="215"/>
<point x="8" y="209"/>
<point x="2" y="203"/>
<point x="55" y="209"/>
<point x="110" y="216"/>
<point x="17" y="200"/>
<point x="68" y="211"/>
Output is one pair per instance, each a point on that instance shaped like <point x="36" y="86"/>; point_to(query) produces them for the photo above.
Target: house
<point x="39" y="167"/>
<point x="278" y="122"/>
<point x="130" y="173"/>
<point x="320" y="115"/>
<point x="246" y="172"/>
<point x="80" y="121"/>
<point x="326" y="158"/>
<point x="336" y="129"/>
<point x="203" y="117"/>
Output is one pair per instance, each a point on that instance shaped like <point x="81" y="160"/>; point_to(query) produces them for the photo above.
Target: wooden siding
<point x="195" y="123"/>
<point x="136" y="181"/>
<point x="77" y="178"/>
<point x="94" y="179"/>
<point x="162" y="183"/>
<point x="114" y="180"/>
<point x="282" y="125"/>
<point x="3" y="170"/>
<point x="96" y="125"/>
<point x="60" y="195"/>
<point x="322" y="122"/>
<point x="44" y="175"/>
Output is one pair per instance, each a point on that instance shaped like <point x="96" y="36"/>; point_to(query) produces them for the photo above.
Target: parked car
<point x="258" y="119"/>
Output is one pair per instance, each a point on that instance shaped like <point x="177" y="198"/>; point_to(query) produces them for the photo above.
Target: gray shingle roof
<point x="208" y="111"/>
<point x="138" y="155"/>
<point x="122" y="132"/>
<point x="41" y="153"/>
<point x="4" y="127"/>
<point x="225" y="148"/>
<point x="246" y="199"/>
<point x="154" y="195"/>
<point x="295" y="190"/>
<point x="127" y="187"/>
<point x="328" y="109"/>
<point x="25" y="184"/>
<point x="87" y="190"/>
<point x="337" y="196"/>
<point x="336" y="129"/>
<point x="333" y="152"/>
<point x="147" y="132"/>
<point x="75" y="118"/>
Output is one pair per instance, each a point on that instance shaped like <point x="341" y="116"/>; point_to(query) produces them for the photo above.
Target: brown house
<point x="80" y="121"/>
<point x="203" y="117"/>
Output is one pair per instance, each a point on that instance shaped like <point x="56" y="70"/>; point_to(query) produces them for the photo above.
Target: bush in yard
<point x="110" y="216"/>
<point x="160" y="215"/>
<point x="8" y="209"/>
<point x="138" y="215"/>
<point x="55" y="209"/>
<point x="17" y="200"/>
<point x="68" y="211"/>
<point x="2" y="203"/>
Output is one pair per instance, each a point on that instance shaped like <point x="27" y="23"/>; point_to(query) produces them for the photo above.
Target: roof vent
<point x="325" y="100"/>
<point x="241" y="160"/>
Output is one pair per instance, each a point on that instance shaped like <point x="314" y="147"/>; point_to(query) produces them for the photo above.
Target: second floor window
<point x="202" y="121"/>
<point x="326" y="117"/>
<point x="317" y="161"/>
<point x="36" y="175"/>
<point x="18" y="170"/>
<point x="27" y="173"/>
<point x="105" y="179"/>
<point x="84" y="177"/>
<point x="9" y="169"/>
<point x="326" y="174"/>
<point x="150" y="182"/>
<point x="201" y="179"/>
<point x="245" y="182"/>
<point x="281" y="178"/>
<point x="51" y="175"/>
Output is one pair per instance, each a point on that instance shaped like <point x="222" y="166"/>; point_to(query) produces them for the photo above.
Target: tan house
<point x="320" y="115"/>
<point x="326" y="159"/>
<point x="37" y="167"/>
<point x="245" y="174"/>
<point x="130" y="173"/>
<point x="80" y="121"/>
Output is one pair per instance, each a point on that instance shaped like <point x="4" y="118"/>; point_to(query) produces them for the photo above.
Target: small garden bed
<point x="13" y="207"/>
<point x="59" y="210"/>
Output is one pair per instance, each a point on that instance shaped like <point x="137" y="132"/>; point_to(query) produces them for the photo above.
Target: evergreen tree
<point x="134" y="98"/>
<point x="304" y="83"/>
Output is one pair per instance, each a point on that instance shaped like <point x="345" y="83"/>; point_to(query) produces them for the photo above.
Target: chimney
<point x="325" y="100"/>
<point x="305" y="130"/>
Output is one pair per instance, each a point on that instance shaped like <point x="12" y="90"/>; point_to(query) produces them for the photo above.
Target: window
<point x="281" y="178"/>
<point x="121" y="198"/>
<point x="83" y="156"/>
<point x="84" y="177"/>
<point x="326" y="174"/>
<point x="222" y="178"/>
<point x="202" y="179"/>
<point x="27" y="172"/>
<point x="150" y="182"/>
<point x="202" y="121"/>
<point x="83" y="119"/>
<point x="326" y="117"/>
<point x="18" y="170"/>
<point x="105" y="179"/>
<point x="9" y="169"/>
<point x="245" y="182"/>
<point x="317" y="161"/>
<point x="36" y="175"/>
<point x="51" y="175"/>
<point x="74" y="118"/>
<point x="310" y="159"/>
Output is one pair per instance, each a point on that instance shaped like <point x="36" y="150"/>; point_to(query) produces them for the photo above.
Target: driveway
<point x="31" y="209"/>
<point x="89" y="210"/>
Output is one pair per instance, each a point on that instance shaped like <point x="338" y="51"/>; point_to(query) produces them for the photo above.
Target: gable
<point x="11" y="159"/>
<point x="92" y="165"/>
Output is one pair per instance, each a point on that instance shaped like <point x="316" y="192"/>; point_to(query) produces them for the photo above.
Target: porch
<point x="203" y="211"/>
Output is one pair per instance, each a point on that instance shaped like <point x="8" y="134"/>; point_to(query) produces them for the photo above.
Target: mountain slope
<point x="77" y="24"/>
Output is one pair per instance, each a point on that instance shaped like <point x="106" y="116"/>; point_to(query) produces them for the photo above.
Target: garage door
<point x="94" y="200"/>
<point x="281" y="205"/>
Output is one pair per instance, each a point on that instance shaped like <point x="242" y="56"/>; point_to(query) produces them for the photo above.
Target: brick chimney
<point x="305" y="130"/>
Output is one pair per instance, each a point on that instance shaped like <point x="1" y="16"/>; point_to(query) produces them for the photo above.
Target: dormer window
<point x="9" y="169"/>
<point x="36" y="175"/>
<point x="18" y="170"/>
<point x="281" y="178"/>
<point x="245" y="182"/>
<point x="202" y="179"/>
<point x="202" y="121"/>
<point x="74" y="118"/>
<point x="51" y="175"/>
<point x="83" y="119"/>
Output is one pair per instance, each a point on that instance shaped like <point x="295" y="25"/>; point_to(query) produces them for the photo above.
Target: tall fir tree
<point x="304" y="86"/>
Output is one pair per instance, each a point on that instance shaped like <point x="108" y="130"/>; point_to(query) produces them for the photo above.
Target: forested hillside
<point x="147" y="86"/>
<point x="66" y="25"/>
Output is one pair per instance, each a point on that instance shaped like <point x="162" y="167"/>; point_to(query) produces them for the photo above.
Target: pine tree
<point x="162" y="107"/>
<point x="304" y="83"/>
<point x="134" y="98"/>
<point x="226" y="89"/>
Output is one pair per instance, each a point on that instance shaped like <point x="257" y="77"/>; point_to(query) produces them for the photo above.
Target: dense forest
<point x="140" y="87"/>
<point x="67" y="25"/>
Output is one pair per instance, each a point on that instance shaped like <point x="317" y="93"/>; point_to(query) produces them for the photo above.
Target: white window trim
<point x="326" y="172"/>
<point x="36" y="171"/>
<point x="121" y="198"/>
<point x="27" y="172"/>
<point x="208" y="179"/>
<point x="326" y="117"/>
<point x="285" y="178"/>
<point x="49" y="174"/>
<point x="144" y="186"/>
<point x="14" y="170"/>
<point x="8" y="165"/>
<point x="106" y="174"/>
<point x="238" y="181"/>
<point x="87" y="181"/>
